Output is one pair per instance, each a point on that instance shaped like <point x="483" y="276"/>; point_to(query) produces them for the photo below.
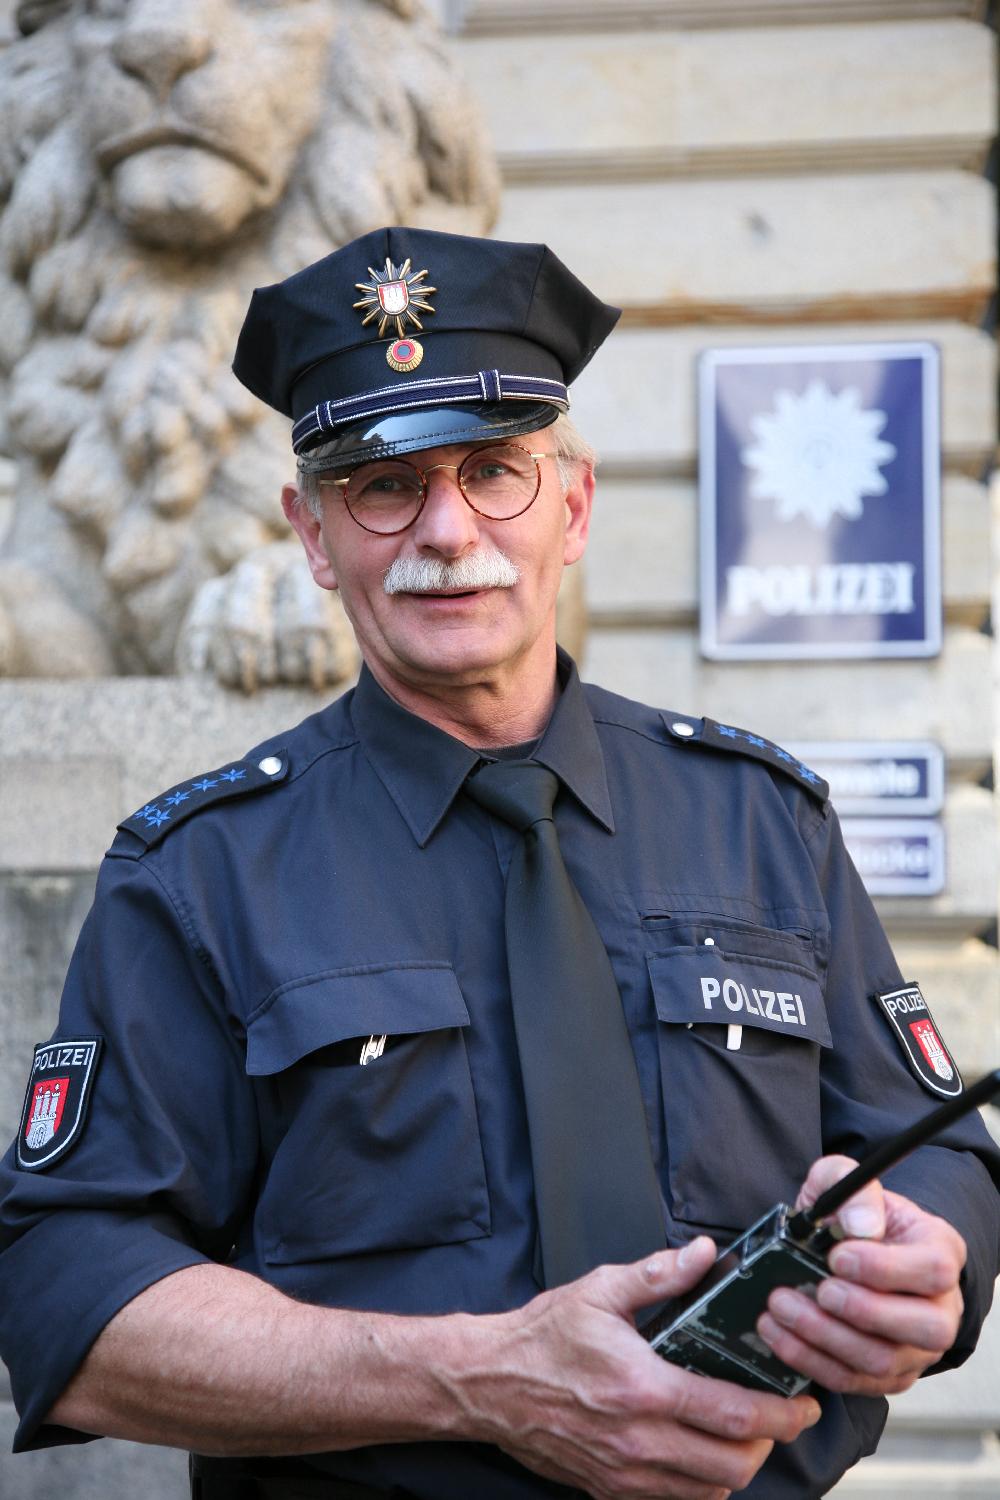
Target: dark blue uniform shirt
<point x="238" y="957"/>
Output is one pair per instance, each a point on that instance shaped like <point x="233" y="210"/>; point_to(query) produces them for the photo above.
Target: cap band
<point x="486" y="385"/>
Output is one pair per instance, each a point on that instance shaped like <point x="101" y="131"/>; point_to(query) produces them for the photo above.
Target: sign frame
<point x="902" y="828"/>
<point x="710" y="361"/>
<point x="815" y="753"/>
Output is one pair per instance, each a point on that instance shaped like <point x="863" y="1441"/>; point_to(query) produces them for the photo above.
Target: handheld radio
<point x="712" y="1329"/>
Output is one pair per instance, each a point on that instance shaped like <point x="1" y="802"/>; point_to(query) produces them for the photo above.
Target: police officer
<point x="349" y="1036"/>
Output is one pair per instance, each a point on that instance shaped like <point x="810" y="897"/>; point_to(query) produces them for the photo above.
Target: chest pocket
<point x="382" y="1156"/>
<point x="741" y="1110"/>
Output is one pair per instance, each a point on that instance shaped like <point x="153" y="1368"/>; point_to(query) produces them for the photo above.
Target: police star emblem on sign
<point x="56" y="1100"/>
<point x="391" y="296"/>
<point x="819" y="473"/>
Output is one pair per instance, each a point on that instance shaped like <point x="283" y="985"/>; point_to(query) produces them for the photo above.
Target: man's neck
<point x="493" y="711"/>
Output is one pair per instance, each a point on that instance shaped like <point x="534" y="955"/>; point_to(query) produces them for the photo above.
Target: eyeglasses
<point x="499" y="481"/>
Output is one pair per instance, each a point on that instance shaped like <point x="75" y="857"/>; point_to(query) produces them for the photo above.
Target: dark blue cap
<point x="409" y="338"/>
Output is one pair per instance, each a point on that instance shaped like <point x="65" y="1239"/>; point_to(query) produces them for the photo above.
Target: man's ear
<point x="309" y="532"/>
<point x="579" y="499"/>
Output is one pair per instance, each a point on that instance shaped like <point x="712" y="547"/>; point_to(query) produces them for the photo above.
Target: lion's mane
<point x="143" y="470"/>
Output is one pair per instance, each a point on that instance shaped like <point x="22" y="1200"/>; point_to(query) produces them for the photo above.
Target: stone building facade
<point x="729" y="172"/>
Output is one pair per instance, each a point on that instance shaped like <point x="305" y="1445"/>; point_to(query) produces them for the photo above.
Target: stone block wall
<point x="728" y="171"/>
<point x="783" y="171"/>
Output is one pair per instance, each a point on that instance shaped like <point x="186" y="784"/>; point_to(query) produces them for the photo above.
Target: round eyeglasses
<point x="499" y="481"/>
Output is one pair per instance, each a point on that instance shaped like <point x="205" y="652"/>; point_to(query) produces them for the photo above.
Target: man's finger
<point x="863" y="1215"/>
<point x="919" y="1321"/>
<point x="827" y="1370"/>
<point x="729" y="1411"/>
<point x="869" y="1342"/>
<point x="926" y="1269"/>
<point x="668" y="1273"/>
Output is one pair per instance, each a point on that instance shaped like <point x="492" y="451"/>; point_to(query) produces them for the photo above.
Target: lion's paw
<point x="266" y="622"/>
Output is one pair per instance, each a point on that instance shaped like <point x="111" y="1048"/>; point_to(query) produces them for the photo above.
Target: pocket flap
<point x="703" y="985"/>
<point x="309" y="1013"/>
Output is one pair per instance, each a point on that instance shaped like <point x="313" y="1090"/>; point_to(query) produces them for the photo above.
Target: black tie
<point x="595" y="1186"/>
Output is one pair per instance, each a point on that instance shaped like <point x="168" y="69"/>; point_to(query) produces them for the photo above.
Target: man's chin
<point x="455" y="656"/>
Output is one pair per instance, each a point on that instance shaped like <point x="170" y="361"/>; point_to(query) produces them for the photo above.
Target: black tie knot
<point x="520" y="791"/>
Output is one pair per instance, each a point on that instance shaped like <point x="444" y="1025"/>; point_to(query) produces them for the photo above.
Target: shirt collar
<point x="423" y="769"/>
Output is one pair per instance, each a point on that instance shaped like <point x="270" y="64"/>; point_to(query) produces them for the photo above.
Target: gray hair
<point x="571" y="449"/>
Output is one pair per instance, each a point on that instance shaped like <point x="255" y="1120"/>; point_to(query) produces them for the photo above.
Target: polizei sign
<point x="820" y="501"/>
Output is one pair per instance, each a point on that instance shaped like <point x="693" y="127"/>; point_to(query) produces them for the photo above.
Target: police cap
<point x="409" y="338"/>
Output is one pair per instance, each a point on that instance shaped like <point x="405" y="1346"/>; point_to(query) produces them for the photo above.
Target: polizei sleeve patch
<point x="56" y="1101"/>
<point x="154" y="821"/>
<point x="907" y="1013"/>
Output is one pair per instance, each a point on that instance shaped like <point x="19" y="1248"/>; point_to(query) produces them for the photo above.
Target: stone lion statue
<point x="159" y="159"/>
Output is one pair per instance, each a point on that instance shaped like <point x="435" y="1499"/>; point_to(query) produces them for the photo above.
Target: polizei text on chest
<point x="771" y="1005"/>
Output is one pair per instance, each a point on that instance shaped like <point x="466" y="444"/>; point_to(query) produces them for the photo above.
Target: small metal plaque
<point x="897" y="856"/>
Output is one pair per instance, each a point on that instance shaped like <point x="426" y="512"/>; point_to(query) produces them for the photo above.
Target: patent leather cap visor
<point x="436" y="427"/>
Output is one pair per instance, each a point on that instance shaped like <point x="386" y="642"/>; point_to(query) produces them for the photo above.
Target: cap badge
<point x="404" y="354"/>
<point x="392" y="296"/>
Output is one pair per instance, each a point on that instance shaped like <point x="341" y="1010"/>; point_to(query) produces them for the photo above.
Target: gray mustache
<point x="491" y="569"/>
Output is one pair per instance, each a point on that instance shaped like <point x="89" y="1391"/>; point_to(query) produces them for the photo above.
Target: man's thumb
<point x="668" y="1273"/>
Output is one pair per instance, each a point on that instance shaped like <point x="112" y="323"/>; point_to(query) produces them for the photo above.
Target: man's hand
<point x="572" y="1391"/>
<point x="893" y="1305"/>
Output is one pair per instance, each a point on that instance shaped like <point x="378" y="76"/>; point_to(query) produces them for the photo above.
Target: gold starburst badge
<point x="392" y="296"/>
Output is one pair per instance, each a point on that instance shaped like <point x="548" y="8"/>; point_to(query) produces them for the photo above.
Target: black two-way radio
<point x="712" y="1329"/>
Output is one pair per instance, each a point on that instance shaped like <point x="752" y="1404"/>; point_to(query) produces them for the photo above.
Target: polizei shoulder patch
<point x="154" y="821"/>
<point x="743" y="742"/>
<point x="56" y="1101"/>
<point x="907" y="1013"/>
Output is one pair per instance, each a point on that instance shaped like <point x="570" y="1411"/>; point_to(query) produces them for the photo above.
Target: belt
<point x="274" y="1479"/>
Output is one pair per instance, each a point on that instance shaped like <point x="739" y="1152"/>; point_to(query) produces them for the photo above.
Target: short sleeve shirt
<point x="243" y="954"/>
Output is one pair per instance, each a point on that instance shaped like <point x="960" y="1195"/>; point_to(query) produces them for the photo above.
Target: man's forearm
<point x="217" y="1361"/>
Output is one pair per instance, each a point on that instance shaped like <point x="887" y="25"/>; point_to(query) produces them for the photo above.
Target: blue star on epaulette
<point x="204" y="784"/>
<point x="156" y="818"/>
<point x="149" y="811"/>
<point x="805" y="771"/>
<point x="176" y="797"/>
<point x="731" y="734"/>
<point x="783" y="755"/>
<point x="755" y="739"/>
<point x="233" y="775"/>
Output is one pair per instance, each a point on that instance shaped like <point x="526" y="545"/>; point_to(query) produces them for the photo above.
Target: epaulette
<point x="725" y="737"/>
<point x="154" y="821"/>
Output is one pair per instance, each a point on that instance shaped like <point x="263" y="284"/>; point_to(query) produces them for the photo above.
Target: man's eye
<point x="493" y="469"/>
<point x="385" y="484"/>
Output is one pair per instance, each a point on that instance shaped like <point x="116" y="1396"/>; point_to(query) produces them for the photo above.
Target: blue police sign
<point x="897" y="856"/>
<point x="820" y="501"/>
<point x="881" y="778"/>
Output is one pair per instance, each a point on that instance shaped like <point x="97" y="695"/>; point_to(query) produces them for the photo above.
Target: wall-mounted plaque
<point x="819" y="482"/>
<point x="897" y="856"/>
<point x="878" y="778"/>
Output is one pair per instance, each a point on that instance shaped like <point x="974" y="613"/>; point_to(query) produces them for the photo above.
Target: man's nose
<point x="447" y="524"/>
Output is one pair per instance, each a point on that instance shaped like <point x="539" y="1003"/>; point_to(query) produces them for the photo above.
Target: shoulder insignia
<point x="154" y="821"/>
<point x="725" y="737"/>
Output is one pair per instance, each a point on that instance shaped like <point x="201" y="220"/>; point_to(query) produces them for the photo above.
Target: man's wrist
<point x="465" y="1361"/>
<point x="432" y="1372"/>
